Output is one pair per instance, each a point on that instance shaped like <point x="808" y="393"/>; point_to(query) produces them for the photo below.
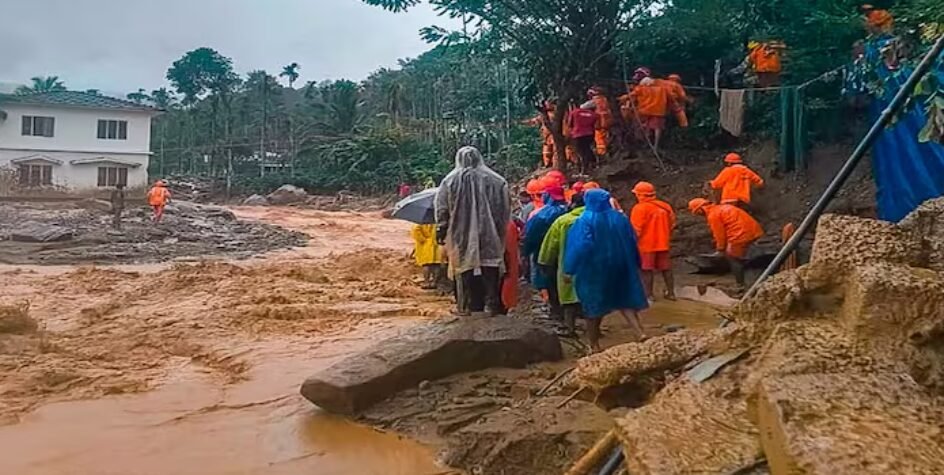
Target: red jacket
<point x="583" y="123"/>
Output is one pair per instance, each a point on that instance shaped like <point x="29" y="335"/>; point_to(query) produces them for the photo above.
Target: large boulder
<point x="287" y="194"/>
<point x="427" y="353"/>
<point x="32" y="231"/>
<point x="256" y="200"/>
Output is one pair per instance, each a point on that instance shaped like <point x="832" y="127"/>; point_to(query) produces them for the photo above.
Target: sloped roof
<point x="74" y="99"/>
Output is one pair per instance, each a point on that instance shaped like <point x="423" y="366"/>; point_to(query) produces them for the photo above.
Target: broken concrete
<point x="843" y="374"/>
<point x="427" y="353"/>
<point x="690" y="428"/>
<point x="849" y="423"/>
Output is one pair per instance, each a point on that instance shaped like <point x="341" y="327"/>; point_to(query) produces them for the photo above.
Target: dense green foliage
<point x="398" y="125"/>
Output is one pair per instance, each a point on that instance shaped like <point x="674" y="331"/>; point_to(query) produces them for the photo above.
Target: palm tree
<point x="42" y="84"/>
<point x="139" y="97"/>
<point x="291" y="73"/>
<point x="163" y="99"/>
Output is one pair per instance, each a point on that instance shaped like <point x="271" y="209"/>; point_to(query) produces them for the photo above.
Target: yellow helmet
<point x="752" y="45"/>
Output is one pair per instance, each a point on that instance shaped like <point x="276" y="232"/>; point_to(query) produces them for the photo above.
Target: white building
<point x="74" y="141"/>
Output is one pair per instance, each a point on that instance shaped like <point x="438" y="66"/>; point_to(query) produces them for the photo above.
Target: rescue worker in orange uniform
<point x="764" y="59"/>
<point x="654" y="221"/>
<point x="736" y="181"/>
<point x="604" y="120"/>
<point x="678" y="98"/>
<point x="733" y="230"/>
<point x="877" y="21"/>
<point x="157" y="197"/>
<point x="652" y="104"/>
<point x="535" y="189"/>
<point x="548" y="147"/>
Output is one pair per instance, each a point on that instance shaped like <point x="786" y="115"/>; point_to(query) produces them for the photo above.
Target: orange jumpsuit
<point x="766" y="61"/>
<point x="652" y="104"/>
<point x="601" y="135"/>
<point x="157" y="197"/>
<point x="735" y="184"/>
<point x="653" y="220"/>
<point x="677" y="98"/>
<point x="733" y="229"/>
<point x="547" y="138"/>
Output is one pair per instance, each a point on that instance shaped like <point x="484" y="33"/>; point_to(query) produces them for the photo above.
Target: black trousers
<point x="553" y="293"/>
<point x="585" y="152"/>
<point x="481" y="293"/>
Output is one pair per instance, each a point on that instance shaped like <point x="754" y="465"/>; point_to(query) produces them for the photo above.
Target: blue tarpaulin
<point x="906" y="172"/>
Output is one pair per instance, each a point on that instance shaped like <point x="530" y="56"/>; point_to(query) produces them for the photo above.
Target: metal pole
<point x="840" y="179"/>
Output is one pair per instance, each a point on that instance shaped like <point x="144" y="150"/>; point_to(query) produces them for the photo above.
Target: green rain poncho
<point x="552" y="254"/>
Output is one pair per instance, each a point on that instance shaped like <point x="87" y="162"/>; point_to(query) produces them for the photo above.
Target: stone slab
<point x="32" y="231"/>
<point x="426" y="353"/>
<point x="855" y="423"/>
<point x="690" y="428"/>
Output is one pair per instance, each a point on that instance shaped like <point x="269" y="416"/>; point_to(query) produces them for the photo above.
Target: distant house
<point x="74" y="141"/>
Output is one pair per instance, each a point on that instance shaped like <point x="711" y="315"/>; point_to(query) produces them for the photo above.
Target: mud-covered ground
<point x="188" y="231"/>
<point x="184" y="367"/>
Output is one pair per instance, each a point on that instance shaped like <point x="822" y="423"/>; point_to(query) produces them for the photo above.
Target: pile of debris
<point x="81" y="232"/>
<point x="836" y="367"/>
<point x="341" y="201"/>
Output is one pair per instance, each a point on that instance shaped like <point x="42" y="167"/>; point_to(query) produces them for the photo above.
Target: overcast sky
<point x="121" y="45"/>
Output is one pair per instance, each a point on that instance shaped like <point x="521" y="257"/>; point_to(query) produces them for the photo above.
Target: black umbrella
<point x="419" y="208"/>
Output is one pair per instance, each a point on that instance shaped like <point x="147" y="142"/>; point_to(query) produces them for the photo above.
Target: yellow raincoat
<point x="425" y="247"/>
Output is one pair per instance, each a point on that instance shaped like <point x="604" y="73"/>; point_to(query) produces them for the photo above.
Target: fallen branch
<point x="593" y="457"/>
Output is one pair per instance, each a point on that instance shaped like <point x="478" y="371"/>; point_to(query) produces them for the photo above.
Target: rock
<point x="690" y="428"/>
<point x="32" y="231"/>
<point x="256" y="200"/>
<point x="96" y="205"/>
<point x="858" y="423"/>
<point x="847" y="241"/>
<point x="287" y="194"/>
<point x="425" y="353"/>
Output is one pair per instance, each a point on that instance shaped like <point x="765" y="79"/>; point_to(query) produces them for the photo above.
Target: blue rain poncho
<point x="602" y="257"/>
<point x="534" y="233"/>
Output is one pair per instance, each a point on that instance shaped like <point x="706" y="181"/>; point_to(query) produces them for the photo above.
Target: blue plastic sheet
<point x="906" y="172"/>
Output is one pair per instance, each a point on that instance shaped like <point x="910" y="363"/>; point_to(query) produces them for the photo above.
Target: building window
<point x="111" y="176"/>
<point x="113" y="129"/>
<point x="38" y="126"/>
<point x="35" y="175"/>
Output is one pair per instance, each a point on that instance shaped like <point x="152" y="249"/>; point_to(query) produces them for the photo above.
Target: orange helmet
<point x="675" y="77"/>
<point x="591" y="185"/>
<point x="644" y="188"/>
<point x="697" y="204"/>
<point x="557" y="176"/>
<point x="534" y="187"/>
<point x="733" y="158"/>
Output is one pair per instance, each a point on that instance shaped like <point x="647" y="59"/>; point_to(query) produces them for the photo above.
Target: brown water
<point x="194" y="425"/>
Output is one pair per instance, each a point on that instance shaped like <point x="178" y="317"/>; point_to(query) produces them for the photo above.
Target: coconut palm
<point x="42" y="84"/>
<point x="290" y="72"/>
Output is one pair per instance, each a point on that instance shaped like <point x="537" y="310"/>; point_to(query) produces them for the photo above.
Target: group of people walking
<point x="578" y="248"/>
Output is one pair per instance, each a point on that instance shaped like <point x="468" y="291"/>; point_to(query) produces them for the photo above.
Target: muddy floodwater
<point x="192" y="425"/>
<point x="194" y="368"/>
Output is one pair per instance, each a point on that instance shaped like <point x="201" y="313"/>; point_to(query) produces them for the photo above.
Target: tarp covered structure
<point x="907" y="172"/>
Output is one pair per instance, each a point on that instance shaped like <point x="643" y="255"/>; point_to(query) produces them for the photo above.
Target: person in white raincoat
<point x="472" y="211"/>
